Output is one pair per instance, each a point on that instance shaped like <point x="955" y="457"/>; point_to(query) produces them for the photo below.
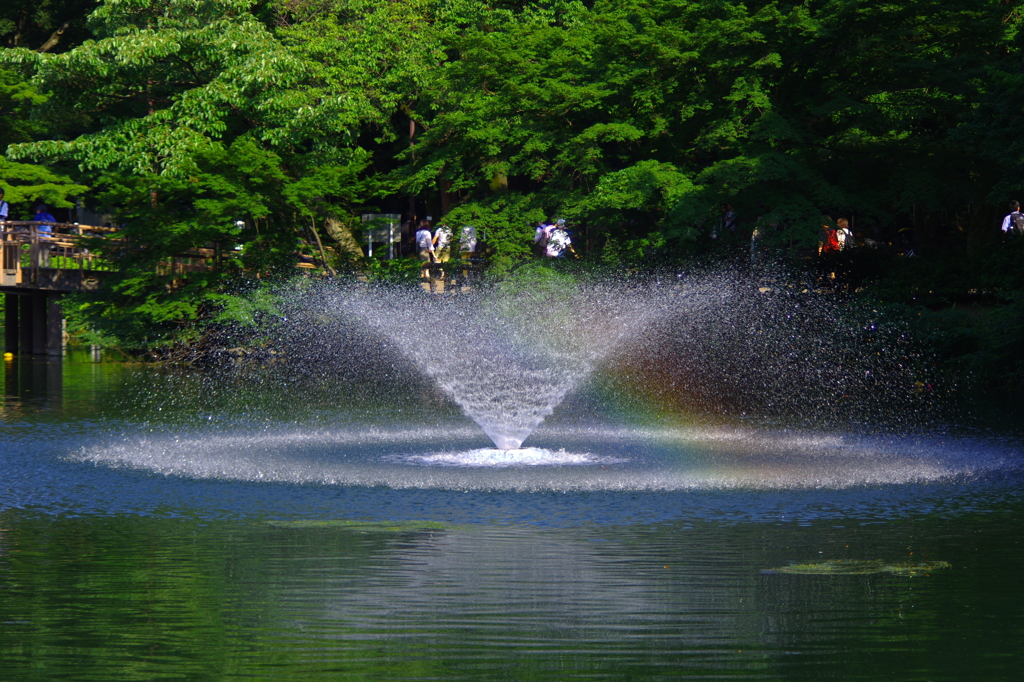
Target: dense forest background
<point x="267" y="128"/>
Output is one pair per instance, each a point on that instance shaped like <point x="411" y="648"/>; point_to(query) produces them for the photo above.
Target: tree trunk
<point x="54" y="39"/>
<point x="320" y="245"/>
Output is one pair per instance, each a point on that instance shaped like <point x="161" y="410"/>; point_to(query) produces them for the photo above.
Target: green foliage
<point x="163" y="80"/>
<point x="861" y="567"/>
<point x="505" y="221"/>
<point x="245" y="127"/>
<point x="534" y="285"/>
<point x="27" y="184"/>
<point x="632" y="253"/>
<point x="968" y="308"/>
<point x="634" y="116"/>
<point x="201" y="131"/>
<point x="23" y="183"/>
<point x="402" y="271"/>
<point x="247" y="309"/>
<point x="17" y="98"/>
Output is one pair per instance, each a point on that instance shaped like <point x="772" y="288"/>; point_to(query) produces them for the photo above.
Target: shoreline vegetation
<point x="664" y="132"/>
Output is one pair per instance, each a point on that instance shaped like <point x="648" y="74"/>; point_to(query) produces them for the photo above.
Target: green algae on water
<point x="859" y="567"/>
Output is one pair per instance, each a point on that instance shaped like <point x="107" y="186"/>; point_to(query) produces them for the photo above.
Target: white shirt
<point x="1008" y="222"/>
<point x="424" y="240"/>
<point x="442" y="236"/>
<point x="845" y="237"/>
<point x="468" y="240"/>
<point x="558" y="242"/>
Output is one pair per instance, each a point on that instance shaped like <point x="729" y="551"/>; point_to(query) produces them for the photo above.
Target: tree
<point x="24" y="183"/>
<point x="634" y="115"/>
<point x="635" y="120"/>
<point x="193" y="118"/>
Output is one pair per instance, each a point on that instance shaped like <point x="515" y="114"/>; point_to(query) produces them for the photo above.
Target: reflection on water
<point x="140" y="598"/>
<point x="31" y="385"/>
<point x="119" y="570"/>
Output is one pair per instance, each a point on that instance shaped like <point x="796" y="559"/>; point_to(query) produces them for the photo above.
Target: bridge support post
<point x="25" y="308"/>
<point x="33" y="323"/>
<point x="54" y="325"/>
<point x="39" y="324"/>
<point x="11" y="323"/>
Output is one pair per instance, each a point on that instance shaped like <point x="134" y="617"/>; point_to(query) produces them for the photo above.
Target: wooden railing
<point x="56" y="256"/>
<point x="31" y="248"/>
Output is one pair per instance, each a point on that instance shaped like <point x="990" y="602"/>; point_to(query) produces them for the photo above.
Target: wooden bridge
<point x="41" y="262"/>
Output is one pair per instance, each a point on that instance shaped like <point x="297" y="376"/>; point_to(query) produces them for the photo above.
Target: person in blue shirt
<point x="43" y="216"/>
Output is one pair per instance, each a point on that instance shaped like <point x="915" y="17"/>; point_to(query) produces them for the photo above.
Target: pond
<point x="271" y="524"/>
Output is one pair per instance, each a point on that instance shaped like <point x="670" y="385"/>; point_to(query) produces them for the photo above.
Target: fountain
<point x="510" y="356"/>
<point x="808" y="388"/>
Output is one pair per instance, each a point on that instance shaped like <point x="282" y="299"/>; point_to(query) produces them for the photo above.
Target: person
<point x="442" y="243"/>
<point x="908" y="241"/>
<point x="407" y="241"/>
<point x="843" y="234"/>
<point x="1014" y="220"/>
<point x="43" y="216"/>
<point x="757" y="249"/>
<point x="559" y="242"/>
<point x="467" y="242"/>
<point x="4" y="208"/>
<point x="828" y="239"/>
<point x="540" y="237"/>
<point x="728" y="220"/>
<point x="424" y="242"/>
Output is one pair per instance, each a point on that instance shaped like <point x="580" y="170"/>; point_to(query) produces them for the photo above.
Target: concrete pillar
<point x="39" y="324"/>
<point x="11" y="323"/>
<point x="25" y="310"/>
<point x="54" y="325"/>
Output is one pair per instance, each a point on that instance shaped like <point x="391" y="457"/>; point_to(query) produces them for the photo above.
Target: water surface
<point x="157" y="524"/>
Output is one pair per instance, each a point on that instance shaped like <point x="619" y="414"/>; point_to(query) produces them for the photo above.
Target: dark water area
<point x="162" y="524"/>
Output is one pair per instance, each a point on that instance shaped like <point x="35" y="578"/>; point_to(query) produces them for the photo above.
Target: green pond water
<point x="162" y="525"/>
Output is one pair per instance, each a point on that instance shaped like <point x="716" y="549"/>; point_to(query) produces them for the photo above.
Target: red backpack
<point x="831" y="239"/>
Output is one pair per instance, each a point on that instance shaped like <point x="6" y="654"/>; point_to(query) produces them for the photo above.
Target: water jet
<point x="511" y="356"/>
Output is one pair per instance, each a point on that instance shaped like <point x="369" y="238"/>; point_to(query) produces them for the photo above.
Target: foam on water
<point x="595" y="459"/>
<point x="496" y="457"/>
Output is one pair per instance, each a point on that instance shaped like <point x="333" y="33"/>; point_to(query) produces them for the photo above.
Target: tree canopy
<point x="265" y="125"/>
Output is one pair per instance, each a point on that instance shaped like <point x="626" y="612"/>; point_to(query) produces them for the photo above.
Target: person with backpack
<point x="1014" y="221"/>
<point x="844" y="235"/>
<point x="558" y="241"/>
<point x="442" y="243"/>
